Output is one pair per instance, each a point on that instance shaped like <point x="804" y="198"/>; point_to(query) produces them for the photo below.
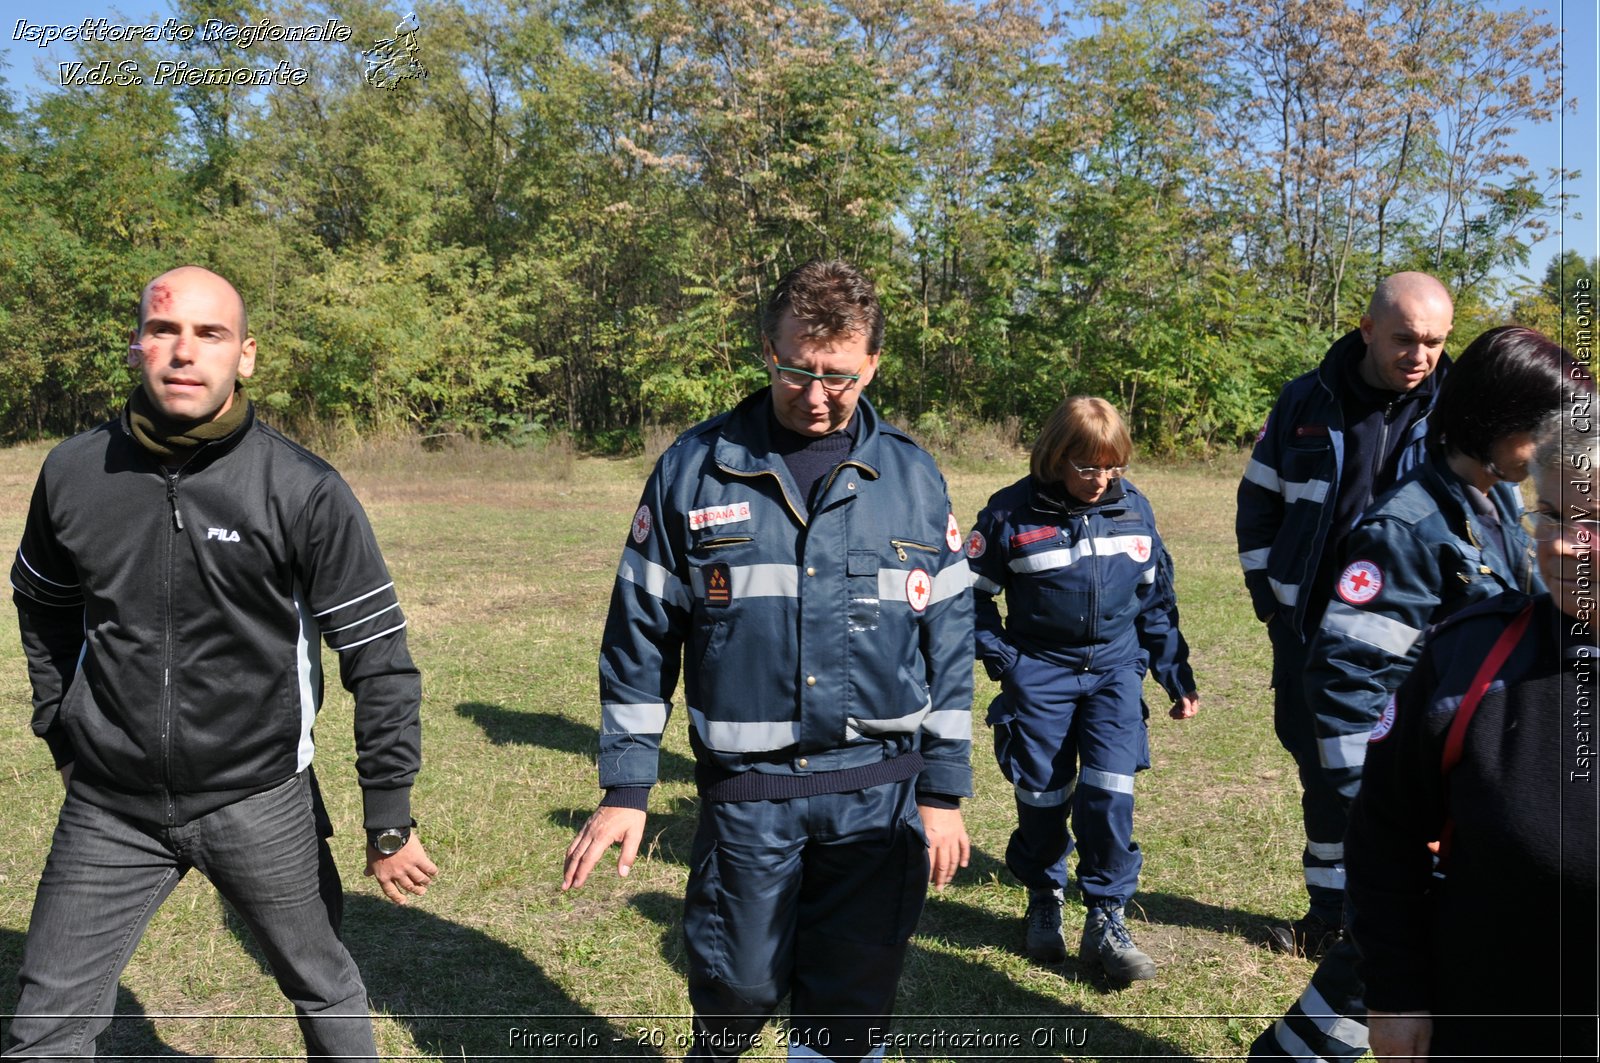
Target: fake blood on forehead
<point x="160" y="297"/>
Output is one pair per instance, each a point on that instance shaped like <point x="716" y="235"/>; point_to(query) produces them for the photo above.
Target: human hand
<point x="599" y="831"/>
<point x="948" y="845"/>
<point x="406" y="871"/>
<point x="1396" y="1035"/>
<point x="1186" y="706"/>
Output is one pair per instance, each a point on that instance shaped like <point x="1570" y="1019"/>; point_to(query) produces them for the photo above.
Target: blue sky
<point x="1572" y="142"/>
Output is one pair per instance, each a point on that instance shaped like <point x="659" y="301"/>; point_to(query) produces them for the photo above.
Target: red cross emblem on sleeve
<point x="1360" y="582"/>
<point x="1141" y="547"/>
<point x="952" y="534"/>
<point x="641" y="524"/>
<point x="919" y="589"/>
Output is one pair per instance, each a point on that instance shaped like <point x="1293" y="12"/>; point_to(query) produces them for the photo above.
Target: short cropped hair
<point x="1507" y="381"/>
<point x="1085" y="426"/>
<point x="829" y="299"/>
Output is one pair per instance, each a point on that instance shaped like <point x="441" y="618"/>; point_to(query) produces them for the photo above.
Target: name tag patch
<point x="711" y="516"/>
<point x="1035" y="536"/>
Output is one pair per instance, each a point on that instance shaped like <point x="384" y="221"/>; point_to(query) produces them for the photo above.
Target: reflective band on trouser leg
<point x="1111" y="744"/>
<point x="1329" y="1021"/>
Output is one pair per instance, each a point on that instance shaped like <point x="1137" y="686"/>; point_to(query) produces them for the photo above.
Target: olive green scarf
<point x="170" y="439"/>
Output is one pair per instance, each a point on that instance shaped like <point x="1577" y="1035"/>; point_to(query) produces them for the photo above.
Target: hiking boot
<point x="1310" y="936"/>
<point x="1108" y="945"/>
<point x="1045" y="943"/>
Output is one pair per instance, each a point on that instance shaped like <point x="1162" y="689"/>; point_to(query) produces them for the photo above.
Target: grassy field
<point x="504" y="561"/>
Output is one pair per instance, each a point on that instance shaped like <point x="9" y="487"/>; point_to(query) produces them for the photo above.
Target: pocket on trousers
<point x="1004" y="740"/>
<point x="704" y="934"/>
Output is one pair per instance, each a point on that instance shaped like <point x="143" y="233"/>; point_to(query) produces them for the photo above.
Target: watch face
<point x="391" y="842"/>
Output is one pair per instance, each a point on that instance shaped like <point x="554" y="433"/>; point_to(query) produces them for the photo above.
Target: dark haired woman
<point x="1447" y="536"/>
<point x="1485" y="747"/>
<point x="1074" y="549"/>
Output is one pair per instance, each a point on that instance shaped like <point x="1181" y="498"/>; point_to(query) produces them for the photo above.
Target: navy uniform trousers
<point x="1328" y="1021"/>
<point x="811" y="897"/>
<point x="1070" y="743"/>
<point x="1325" y="812"/>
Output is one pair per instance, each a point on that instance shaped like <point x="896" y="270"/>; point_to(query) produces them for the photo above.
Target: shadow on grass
<point x="1177" y="910"/>
<point x="1170" y="909"/>
<point x="512" y="727"/>
<point x="460" y="993"/>
<point x="130" y="1035"/>
<point x="943" y="998"/>
<point x="982" y="865"/>
<point x="974" y="928"/>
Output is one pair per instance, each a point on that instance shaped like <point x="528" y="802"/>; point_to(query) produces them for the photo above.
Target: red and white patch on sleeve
<point x="952" y="534"/>
<point x="1139" y="549"/>
<point x="641" y="524"/>
<point x="1360" y="582"/>
<point x="976" y="544"/>
<point x="919" y="589"/>
<point x="1385" y="724"/>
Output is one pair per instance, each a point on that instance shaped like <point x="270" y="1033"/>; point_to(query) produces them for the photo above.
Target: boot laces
<point x="1115" y="929"/>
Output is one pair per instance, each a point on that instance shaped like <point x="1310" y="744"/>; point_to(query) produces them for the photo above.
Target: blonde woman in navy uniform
<point x="1088" y="587"/>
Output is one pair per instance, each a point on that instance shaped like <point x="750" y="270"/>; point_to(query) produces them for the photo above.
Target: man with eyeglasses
<point x="799" y="559"/>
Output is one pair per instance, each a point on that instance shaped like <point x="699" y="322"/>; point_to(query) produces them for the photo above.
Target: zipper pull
<point x="172" y="499"/>
<point x="901" y="551"/>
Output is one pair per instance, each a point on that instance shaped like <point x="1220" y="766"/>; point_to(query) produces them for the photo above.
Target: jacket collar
<point x="1053" y="498"/>
<point x="744" y="446"/>
<point x="1345" y="354"/>
<point x="1463" y="514"/>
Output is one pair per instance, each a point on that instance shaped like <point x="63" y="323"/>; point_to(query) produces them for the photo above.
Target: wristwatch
<point x="390" y="840"/>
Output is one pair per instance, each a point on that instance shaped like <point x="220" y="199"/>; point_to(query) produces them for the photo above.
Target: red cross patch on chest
<point x="919" y="590"/>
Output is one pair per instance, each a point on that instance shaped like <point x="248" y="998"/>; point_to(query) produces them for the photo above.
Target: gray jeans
<point x="105" y="878"/>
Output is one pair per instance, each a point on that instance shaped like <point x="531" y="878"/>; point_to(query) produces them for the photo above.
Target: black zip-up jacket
<point x="170" y="620"/>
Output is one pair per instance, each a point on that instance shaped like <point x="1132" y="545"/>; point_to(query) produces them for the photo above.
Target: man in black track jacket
<point x="177" y="568"/>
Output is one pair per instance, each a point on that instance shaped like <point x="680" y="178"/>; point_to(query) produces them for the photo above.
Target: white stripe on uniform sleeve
<point x="1374" y="629"/>
<point x="648" y="718"/>
<point x="653" y="579"/>
<point x="1343" y="751"/>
